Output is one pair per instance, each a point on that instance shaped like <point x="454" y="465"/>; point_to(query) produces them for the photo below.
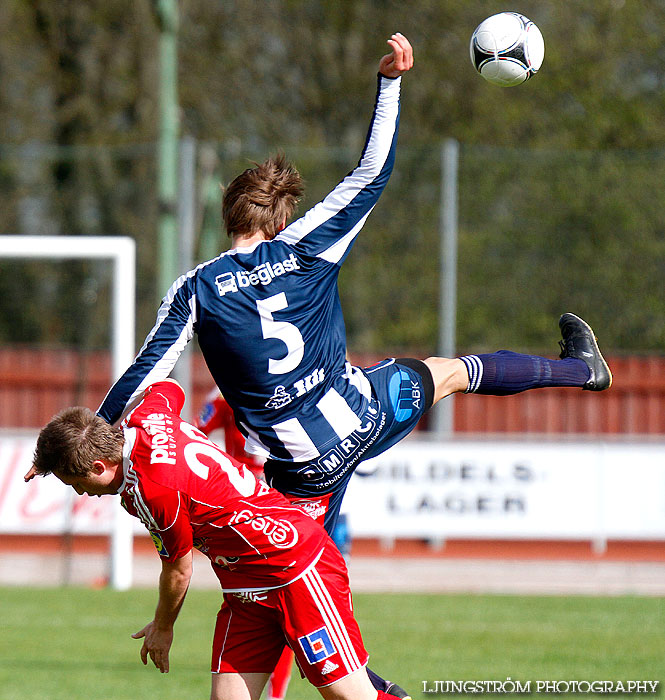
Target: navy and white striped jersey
<point x="269" y="320"/>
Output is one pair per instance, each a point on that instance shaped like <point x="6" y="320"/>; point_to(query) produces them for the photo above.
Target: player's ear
<point x="98" y="467"/>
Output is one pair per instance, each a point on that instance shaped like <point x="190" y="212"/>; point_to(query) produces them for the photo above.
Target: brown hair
<point x="73" y="440"/>
<point x="262" y="197"/>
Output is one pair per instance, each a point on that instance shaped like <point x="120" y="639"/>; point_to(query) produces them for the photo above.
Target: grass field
<point x="74" y="643"/>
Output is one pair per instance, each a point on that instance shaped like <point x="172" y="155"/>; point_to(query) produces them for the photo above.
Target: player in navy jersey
<point x="269" y="323"/>
<point x="270" y="326"/>
<point x="267" y="312"/>
<point x="291" y="389"/>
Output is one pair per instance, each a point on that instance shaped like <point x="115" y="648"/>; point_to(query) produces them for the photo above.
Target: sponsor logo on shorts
<point x="264" y="274"/>
<point x="315" y="509"/>
<point x="339" y="455"/>
<point x="251" y="596"/>
<point x="334" y="464"/>
<point x="405" y="395"/>
<point x="317" y="646"/>
<point x="329" y="667"/>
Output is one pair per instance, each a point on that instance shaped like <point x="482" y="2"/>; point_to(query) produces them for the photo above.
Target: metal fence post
<point x="167" y="166"/>
<point x="444" y="411"/>
<point x="182" y="372"/>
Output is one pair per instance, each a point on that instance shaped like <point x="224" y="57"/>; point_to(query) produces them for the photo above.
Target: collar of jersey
<point x="127" y="448"/>
<point x="245" y="249"/>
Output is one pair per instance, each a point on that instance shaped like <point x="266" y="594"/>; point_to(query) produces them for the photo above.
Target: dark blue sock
<point x="502" y="373"/>
<point x="378" y="682"/>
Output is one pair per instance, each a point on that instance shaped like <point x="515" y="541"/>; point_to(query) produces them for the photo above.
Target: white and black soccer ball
<point x="507" y="49"/>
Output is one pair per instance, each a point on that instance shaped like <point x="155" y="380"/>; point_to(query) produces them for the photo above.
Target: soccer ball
<point x="507" y="49"/>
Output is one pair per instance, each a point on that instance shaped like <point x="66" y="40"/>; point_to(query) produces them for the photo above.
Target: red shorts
<point x="314" y="615"/>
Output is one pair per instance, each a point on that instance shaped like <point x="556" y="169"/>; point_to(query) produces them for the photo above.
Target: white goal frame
<point x="121" y="251"/>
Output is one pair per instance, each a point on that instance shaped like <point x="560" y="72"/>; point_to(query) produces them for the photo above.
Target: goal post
<point x="121" y="251"/>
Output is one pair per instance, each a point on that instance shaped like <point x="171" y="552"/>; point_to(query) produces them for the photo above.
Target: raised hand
<point x="400" y="60"/>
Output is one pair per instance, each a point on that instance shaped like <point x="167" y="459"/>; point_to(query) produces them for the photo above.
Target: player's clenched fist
<point x="392" y="65"/>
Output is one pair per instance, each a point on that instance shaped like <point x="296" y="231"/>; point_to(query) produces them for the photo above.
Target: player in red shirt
<point x="282" y="576"/>
<point x="216" y="415"/>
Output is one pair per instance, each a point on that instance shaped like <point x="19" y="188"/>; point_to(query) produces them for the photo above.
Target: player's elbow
<point x="179" y="570"/>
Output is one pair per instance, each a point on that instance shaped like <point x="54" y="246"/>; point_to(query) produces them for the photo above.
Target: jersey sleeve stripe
<point x="347" y="206"/>
<point x="163" y="366"/>
<point x="142" y="510"/>
<point x="338" y="250"/>
<point x="175" y="518"/>
<point x="162" y="347"/>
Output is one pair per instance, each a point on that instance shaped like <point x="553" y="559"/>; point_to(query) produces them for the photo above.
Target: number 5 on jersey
<point x="281" y="330"/>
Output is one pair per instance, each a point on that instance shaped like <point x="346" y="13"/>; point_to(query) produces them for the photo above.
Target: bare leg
<point x="356" y="686"/>
<point x="450" y="376"/>
<point x="237" y="686"/>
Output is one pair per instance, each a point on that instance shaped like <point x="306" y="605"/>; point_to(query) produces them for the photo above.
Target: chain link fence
<point x="540" y="233"/>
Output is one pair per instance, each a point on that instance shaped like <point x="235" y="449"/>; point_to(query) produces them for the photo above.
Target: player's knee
<point x="237" y="686"/>
<point x="356" y="686"/>
<point x="449" y="375"/>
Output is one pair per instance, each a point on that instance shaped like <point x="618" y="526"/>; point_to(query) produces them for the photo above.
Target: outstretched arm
<point x="173" y="329"/>
<point x="327" y="231"/>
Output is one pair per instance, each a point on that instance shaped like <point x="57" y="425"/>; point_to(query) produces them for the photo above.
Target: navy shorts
<point x="402" y="391"/>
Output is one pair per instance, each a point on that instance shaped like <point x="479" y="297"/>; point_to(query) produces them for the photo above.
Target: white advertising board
<point x="46" y="505"/>
<point x="515" y="489"/>
<point x="467" y="489"/>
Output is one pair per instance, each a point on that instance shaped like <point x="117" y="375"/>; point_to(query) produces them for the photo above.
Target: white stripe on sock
<point x="474" y="367"/>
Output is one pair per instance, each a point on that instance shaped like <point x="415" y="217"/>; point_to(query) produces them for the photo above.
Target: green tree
<point x="558" y="180"/>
